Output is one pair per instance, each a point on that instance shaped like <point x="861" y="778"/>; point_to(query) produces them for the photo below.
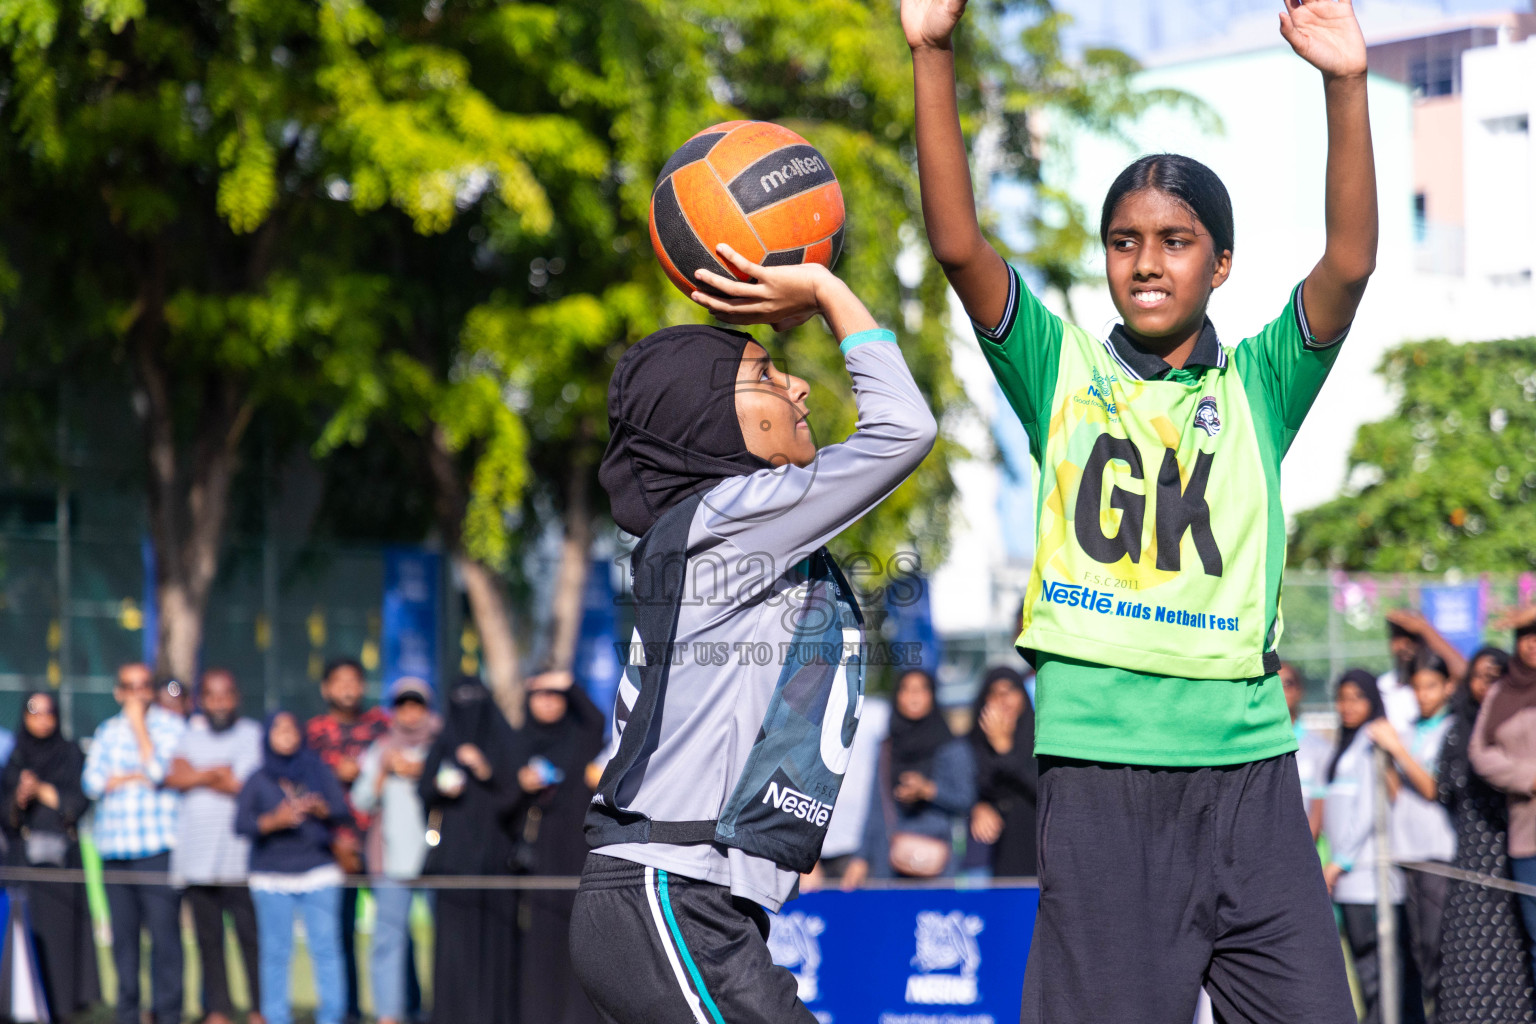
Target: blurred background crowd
<point x="419" y="843"/>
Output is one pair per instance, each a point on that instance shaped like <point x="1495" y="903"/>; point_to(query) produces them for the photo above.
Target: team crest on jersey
<point x="1206" y="417"/>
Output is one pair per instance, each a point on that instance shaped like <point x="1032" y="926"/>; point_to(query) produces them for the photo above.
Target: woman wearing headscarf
<point x="1483" y="978"/>
<point x="470" y="792"/>
<point x="1349" y="816"/>
<point x="1002" y="741"/>
<point x="562" y="734"/>
<point x="290" y="809"/>
<point x="386" y="790"/>
<point x="41" y="803"/>
<point x="924" y="782"/>
<point x="1503" y="752"/>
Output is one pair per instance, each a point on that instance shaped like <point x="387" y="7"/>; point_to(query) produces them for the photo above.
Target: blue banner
<point x="908" y="956"/>
<point x="909" y="625"/>
<point x="411" y="582"/>
<point x="1457" y="612"/>
<point x="596" y="665"/>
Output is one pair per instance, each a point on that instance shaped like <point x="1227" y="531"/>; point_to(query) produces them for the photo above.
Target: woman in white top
<point x="1349" y="815"/>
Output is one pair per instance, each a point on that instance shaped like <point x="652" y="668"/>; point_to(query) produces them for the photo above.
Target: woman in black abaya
<point x="1003" y="746"/>
<point x="40" y="805"/>
<point x="470" y="793"/>
<point x="563" y="732"/>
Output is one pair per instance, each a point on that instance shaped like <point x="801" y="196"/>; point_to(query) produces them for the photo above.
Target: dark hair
<point x="1429" y="661"/>
<point x="1189" y="181"/>
<point x="337" y="664"/>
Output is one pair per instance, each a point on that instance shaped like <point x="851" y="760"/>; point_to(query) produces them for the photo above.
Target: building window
<point x="1420" y="217"/>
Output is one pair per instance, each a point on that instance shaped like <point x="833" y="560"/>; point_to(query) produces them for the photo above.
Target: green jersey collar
<point x="1144" y="365"/>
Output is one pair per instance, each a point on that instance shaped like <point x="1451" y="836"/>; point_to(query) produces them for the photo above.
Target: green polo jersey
<point x="1153" y="607"/>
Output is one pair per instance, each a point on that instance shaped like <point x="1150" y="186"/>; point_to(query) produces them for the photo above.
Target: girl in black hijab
<point x="1483" y="976"/>
<point x="41" y="803"/>
<point x="562" y="734"/>
<point x="470" y="793"/>
<point x="925" y="781"/>
<point x="1002" y="743"/>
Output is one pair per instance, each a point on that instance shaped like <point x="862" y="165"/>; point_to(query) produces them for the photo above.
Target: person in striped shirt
<point x="135" y="829"/>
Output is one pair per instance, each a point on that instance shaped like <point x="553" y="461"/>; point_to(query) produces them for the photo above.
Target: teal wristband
<point x="853" y="341"/>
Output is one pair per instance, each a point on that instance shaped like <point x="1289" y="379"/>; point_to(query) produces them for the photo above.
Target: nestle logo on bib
<point x="797" y="167"/>
<point x="797" y="805"/>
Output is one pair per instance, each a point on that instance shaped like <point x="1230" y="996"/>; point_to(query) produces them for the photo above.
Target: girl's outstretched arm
<point x="977" y="272"/>
<point x="1326" y="35"/>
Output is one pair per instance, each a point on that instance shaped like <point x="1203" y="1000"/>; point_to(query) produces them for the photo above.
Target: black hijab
<point x="1023" y="730"/>
<point x="672" y="422"/>
<point x="53" y="759"/>
<point x="302" y="768"/>
<point x="1463" y="705"/>
<point x="473" y="717"/>
<point x="916" y="741"/>
<point x="1366" y="683"/>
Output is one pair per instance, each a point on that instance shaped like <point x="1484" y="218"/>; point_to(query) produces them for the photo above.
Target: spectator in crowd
<point x="1002" y="741"/>
<point x="386" y="791"/>
<point x="563" y="732"/>
<point x="135" y="829"/>
<point x="218" y="752"/>
<point x="1312" y="751"/>
<point x="1483" y="976"/>
<point x="925" y="782"/>
<point x="174" y="697"/>
<point x="1349" y="811"/>
<point x="340" y="736"/>
<point x="1409" y="637"/>
<point x="1421" y="828"/>
<point x="290" y="809"/>
<point x="42" y="802"/>
<point x="470" y="790"/>
<point x="1503" y="751"/>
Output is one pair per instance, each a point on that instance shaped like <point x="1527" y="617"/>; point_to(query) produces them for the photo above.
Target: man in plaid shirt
<point x="341" y="736"/>
<point x="134" y="830"/>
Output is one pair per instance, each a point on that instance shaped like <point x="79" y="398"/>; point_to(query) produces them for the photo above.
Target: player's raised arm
<point x="1326" y="35"/>
<point x="977" y="272"/>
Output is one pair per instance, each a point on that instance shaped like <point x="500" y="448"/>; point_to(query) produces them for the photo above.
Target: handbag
<point x="912" y="854"/>
<point x="45" y="849"/>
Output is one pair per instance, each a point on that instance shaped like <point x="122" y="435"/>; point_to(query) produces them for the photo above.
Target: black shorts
<point x="1157" y="881"/>
<point x="651" y="947"/>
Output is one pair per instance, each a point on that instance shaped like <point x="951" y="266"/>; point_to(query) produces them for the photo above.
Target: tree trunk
<point x="498" y="644"/>
<point x="188" y="493"/>
<point x="575" y="562"/>
<point x="482" y="584"/>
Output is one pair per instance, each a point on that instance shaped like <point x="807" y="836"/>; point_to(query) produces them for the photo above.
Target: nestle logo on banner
<point x="794" y="943"/>
<point x="798" y="167"/>
<point x="797" y="804"/>
<point x="945" y="942"/>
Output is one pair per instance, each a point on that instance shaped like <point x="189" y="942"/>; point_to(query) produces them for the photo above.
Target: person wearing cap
<point x="1503" y="752"/>
<point x="217" y="753"/>
<point x="395" y="845"/>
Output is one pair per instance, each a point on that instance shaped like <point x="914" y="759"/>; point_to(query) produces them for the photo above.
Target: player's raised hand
<point x="930" y="22"/>
<point x="1324" y="33"/>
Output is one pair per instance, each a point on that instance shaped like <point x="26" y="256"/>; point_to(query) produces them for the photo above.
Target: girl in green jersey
<point x="1174" y="852"/>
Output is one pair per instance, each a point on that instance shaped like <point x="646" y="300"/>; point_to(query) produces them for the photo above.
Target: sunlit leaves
<point x="1449" y="482"/>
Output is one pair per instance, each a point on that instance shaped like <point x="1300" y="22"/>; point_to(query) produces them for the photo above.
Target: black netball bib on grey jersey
<point x="782" y="796"/>
<point x="736" y="713"/>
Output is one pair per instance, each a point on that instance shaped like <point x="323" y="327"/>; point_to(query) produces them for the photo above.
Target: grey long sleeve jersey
<point x="748" y="588"/>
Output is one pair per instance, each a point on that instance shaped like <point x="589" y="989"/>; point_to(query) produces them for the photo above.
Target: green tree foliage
<point x="1448" y="481"/>
<point x="427" y="222"/>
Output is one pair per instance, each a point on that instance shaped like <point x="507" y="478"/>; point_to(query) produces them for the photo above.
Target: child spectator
<point x="290" y="809"/>
<point x="1349" y="813"/>
<point x="1421" y="828"/>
